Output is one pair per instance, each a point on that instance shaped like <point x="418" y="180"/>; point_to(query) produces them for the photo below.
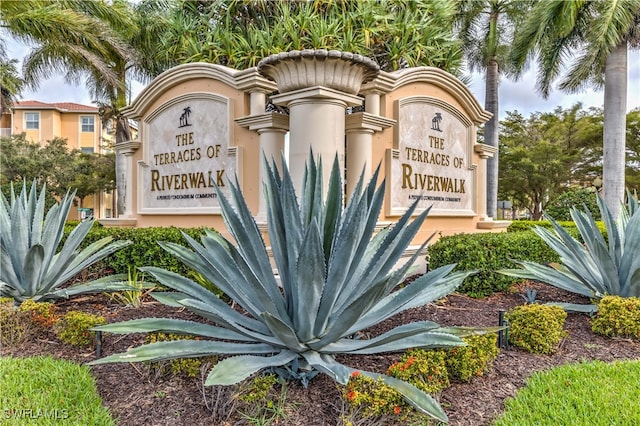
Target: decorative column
<point x="317" y="86"/>
<point x="485" y="152"/>
<point x="360" y="128"/>
<point x="272" y="128"/>
<point x="128" y="149"/>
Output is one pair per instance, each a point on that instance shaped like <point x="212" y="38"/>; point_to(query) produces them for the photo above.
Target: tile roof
<point x="61" y="106"/>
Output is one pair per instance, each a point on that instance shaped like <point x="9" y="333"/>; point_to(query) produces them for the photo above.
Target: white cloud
<point x="520" y="95"/>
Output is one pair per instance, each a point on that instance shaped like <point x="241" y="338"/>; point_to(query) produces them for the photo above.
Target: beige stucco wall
<point x="172" y="86"/>
<point x="391" y="88"/>
<point x="387" y="139"/>
<point x="54" y="124"/>
<point x="5" y="120"/>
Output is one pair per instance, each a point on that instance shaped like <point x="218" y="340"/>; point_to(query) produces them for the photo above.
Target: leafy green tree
<point x="239" y="33"/>
<point x="633" y="150"/>
<point x="56" y="165"/>
<point x="579" y="134"/>
<point x="19" y="160"/>
<point x="93" y="173"/>
<point x="536" y="172"/>
<point x="537" y="164"/>
<point x="106" y="43"/>
<point x="486" y="30"/>
<point x="560" y="208"/>
<point x="596" y="36"/>
<point x="68" y="29"/>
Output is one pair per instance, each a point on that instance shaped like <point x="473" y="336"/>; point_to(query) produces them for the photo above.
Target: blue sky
<point x="520" y="95"/>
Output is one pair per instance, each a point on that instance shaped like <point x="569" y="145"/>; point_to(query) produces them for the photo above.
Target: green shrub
<point x="428" y="370"/>
<point x="14" y="327"/>
<point x="560" y="208"/>
<point x="425" y="369"/>
<point x="570" y="226"/>
<point x="145" y="249"/>
<point x="258" y="389"/>
<point x="373" y="397"/>
<point x="486" y="253"/>
<point x="467" y="362"/>
<point x="617" y="316"/>
<point x="70" y="224"/>
<point x="74" y="328"/>
<point x="42" y="314"/>
<point x="189" y="367"/>
<point x="527" y="225"/>
<point x="536" y="328"/>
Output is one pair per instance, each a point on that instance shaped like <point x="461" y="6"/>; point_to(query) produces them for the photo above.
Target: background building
<point x="80" y="125"/>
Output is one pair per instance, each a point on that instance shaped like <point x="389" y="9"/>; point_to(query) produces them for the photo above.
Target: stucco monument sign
<point x="433" y="162"/>
<point x="188" y="152"/>
<point x="201" y="124"/>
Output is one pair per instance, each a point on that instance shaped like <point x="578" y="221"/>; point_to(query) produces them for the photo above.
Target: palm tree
<point x="64" y="29"/>
<point x="104" y="42"/>
<point x="11" y="83"/>
<point x="239" y="33"/>
<point x="596" y="36"/>
<point x="486" y="30"/>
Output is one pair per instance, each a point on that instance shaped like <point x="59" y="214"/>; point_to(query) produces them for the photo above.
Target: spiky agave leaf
<point x="337" y="276"/>
<point x="30" y="265"/>
<point x="598" y="266"/>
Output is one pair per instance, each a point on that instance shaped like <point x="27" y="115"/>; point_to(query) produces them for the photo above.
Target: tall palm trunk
<point x="123" y="134"/>
<point x="615" y="107"/>
<point x="492" y="81"/>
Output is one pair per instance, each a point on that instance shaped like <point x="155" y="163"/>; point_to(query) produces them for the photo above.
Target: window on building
<point x="87" y="124"/>
<point x="87" y="150"/>
<point x="32" y="120"/>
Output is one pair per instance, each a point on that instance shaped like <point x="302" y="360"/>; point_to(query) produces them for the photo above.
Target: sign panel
<point x="187" y="153"/>
<point x="433" y="159"/>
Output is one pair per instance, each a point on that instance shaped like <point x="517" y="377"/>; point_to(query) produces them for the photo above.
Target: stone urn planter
<point x="300" y="69"/>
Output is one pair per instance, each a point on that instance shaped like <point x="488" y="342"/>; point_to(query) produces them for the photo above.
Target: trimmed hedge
<point x="617" y="316"/>
<point x="527" y="225"/>
<point x="487" y="253"/>
<point x="145" y="251"/>
<point x="536" y="328"/>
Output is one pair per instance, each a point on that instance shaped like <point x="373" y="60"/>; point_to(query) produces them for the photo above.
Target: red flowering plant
<point x="373" y="397"/>
<point x="425" y="369"/>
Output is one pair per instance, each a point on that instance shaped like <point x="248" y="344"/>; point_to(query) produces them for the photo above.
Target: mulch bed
<point x="135" y="397"/>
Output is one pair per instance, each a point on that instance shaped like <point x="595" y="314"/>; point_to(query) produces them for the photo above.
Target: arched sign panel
<point x="433" y="161"/>
<point x="186" y="153"/>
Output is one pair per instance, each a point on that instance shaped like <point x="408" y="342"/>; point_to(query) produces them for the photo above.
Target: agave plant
<point x="30" y="267"/>
<point x="335" y="277"/>
<point x="598" y="267"/>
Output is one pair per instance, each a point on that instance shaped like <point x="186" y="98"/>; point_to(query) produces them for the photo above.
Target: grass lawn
<point x="47" y="391"/>
<point x="590" y="394"/>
